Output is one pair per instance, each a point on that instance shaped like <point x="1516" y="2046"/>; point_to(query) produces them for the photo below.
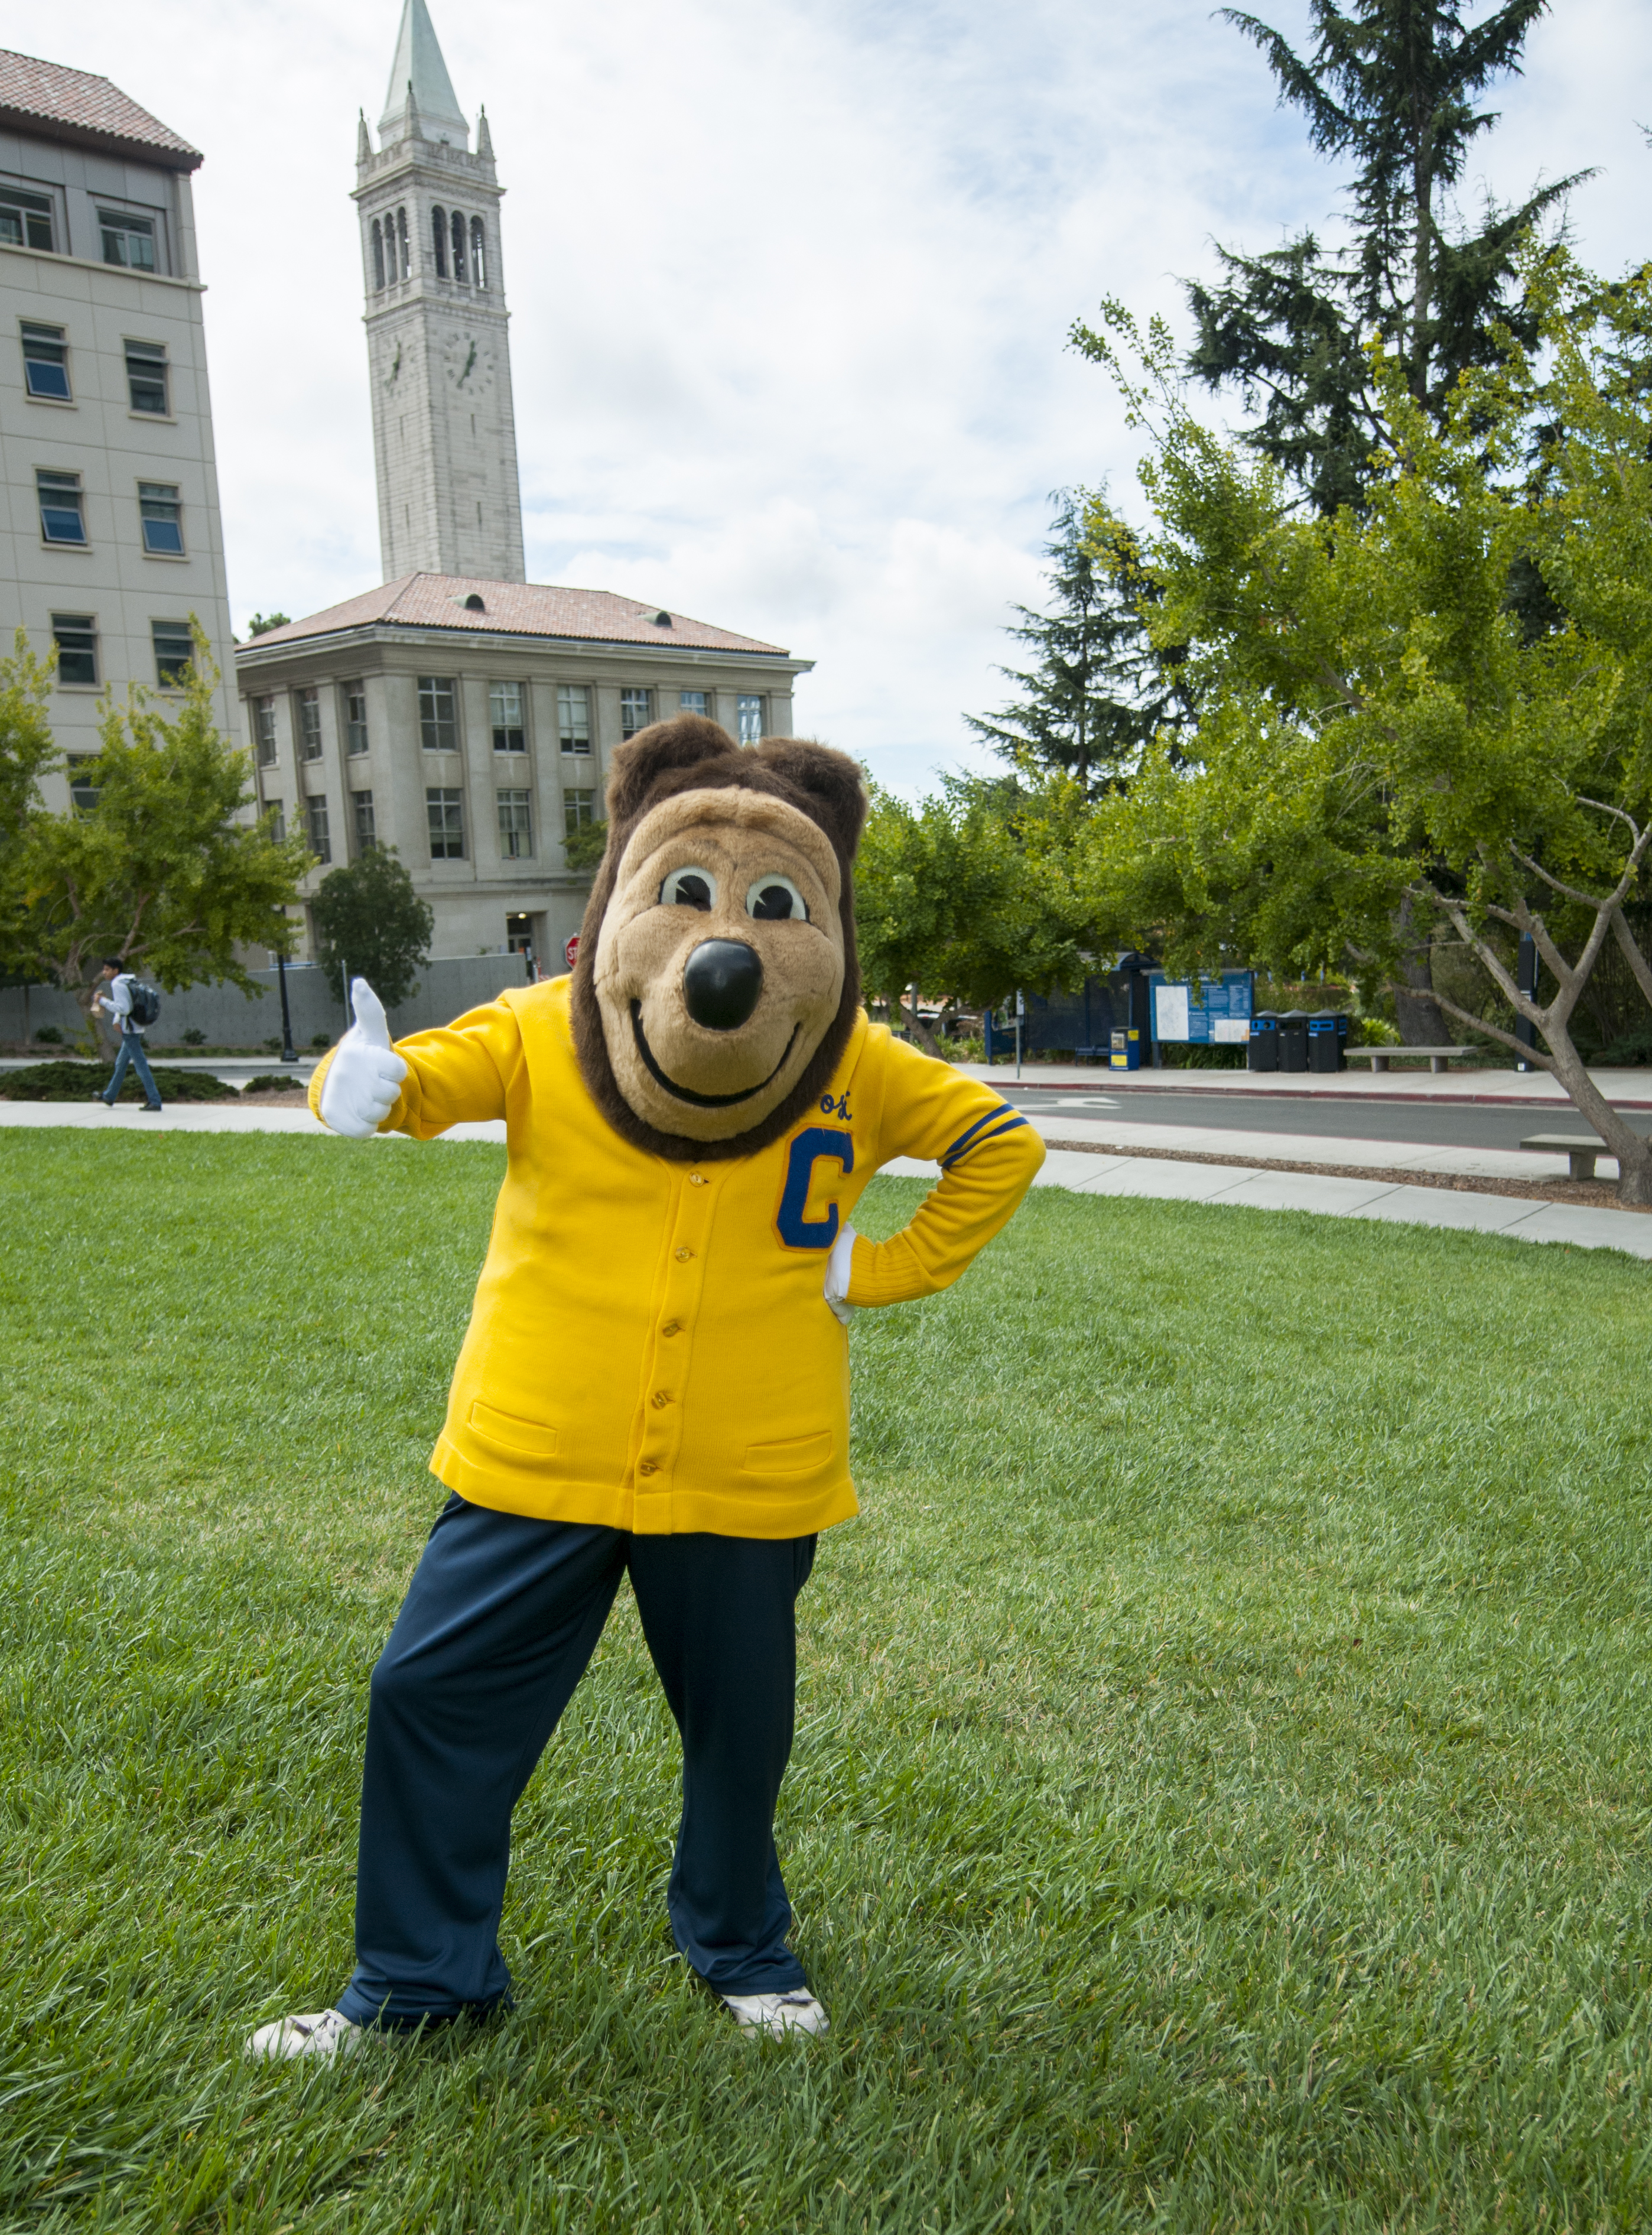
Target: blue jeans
<point x="132" y="1051"/>
<point x="501" y="1615"/>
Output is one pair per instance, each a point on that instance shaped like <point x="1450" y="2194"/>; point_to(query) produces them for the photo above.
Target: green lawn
<point x="1222" y="1787"/>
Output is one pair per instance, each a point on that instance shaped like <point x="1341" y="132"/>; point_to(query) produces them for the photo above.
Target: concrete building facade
<point x="438" y="349"/>
<point x="113" y="539"/>
<point x="469" y="724"/>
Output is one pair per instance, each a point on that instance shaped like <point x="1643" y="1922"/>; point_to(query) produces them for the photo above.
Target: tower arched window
<point x="478" y="253"/>
<point x="378" y="257"/>
<point x="403" y="259"/>
<point x="458" y="246"/>
<point x="439" y="235"/>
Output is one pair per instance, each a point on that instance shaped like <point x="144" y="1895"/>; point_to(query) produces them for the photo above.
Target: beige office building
<point x="114" y="540"/>
<point x="459" y="713"/>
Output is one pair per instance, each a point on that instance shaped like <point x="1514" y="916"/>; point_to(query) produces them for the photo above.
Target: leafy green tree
<point x="28" y="753"/>
<point x="967" y="895"/>
<point x="1378" y="726"/>
<point x="162" y="870"/>
<point x="370" y="920"/>
<point x="1392" y="86"/>
<point x="582" y="849"/>
<point x="261" y="624"/>
<point x="1098" y="690"/>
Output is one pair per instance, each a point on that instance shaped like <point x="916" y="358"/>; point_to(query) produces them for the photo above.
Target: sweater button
<point x="696" y="1179"/>
<point x="646" y="1466"/>
<point x="672" y="1326"/>
<point x="682" y="1257"/>
<point x="660" y="1398"/>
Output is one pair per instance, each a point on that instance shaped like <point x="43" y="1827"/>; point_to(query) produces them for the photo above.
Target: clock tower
<point x="438" y="352"/>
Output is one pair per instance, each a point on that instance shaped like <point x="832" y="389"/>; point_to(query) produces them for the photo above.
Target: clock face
<point x="467" y="363"/>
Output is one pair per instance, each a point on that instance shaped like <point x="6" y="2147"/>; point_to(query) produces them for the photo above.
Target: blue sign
<point x="1217" y="1013"/>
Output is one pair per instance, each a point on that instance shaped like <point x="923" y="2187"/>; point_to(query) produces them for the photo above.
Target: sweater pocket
<point x="504" y="1432"/>
<point x="795" y="1455"/>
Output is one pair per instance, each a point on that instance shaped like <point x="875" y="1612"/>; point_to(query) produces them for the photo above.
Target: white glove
<point x="837" y="1273"/>
<point x="365" y="1075"/>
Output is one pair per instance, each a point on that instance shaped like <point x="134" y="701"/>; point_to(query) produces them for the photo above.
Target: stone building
<point x="112" y="540"/>
<point x="458" y="712"/>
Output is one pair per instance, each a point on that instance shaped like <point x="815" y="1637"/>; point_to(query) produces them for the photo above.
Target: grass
<point x="1221" y="1791"/>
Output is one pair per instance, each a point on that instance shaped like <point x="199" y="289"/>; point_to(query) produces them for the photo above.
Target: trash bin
<point x="1125" y="1050"/>
<point x="1262" y="1051"/>
<point x="1293" y="1040"/>
<point x="1327" y="1034"/>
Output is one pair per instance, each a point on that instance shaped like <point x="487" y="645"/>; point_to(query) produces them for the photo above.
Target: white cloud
<point x="791" y="283"/>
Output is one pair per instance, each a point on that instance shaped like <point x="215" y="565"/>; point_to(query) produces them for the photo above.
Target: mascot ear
<point x="833" y="789"/>
<point x="690" y="742"/>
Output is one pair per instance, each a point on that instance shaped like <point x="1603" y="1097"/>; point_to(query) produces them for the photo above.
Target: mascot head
<point x="717" y="983"/>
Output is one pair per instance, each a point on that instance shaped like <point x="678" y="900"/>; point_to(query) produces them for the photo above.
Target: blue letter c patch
<point x="810" y="1147"/>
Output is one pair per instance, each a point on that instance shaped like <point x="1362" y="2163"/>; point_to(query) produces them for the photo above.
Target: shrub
<point x="50" y="1036"/>
<point x="193" y="1037"/>
<point x="73" y="1082"/>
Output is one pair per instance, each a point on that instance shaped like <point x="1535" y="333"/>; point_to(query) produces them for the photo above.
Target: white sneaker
<point x="324" y="2033"/>
<point x="776" y="2015"/>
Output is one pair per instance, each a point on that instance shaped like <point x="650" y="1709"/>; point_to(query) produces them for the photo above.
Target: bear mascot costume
<point x="655" y="1380"/>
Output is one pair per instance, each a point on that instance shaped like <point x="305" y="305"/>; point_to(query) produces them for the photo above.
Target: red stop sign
<point x="571" y="950"/>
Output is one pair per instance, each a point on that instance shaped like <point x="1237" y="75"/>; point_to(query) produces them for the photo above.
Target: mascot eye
<point x="695" y="889"/>
<point x="773" y="899"/>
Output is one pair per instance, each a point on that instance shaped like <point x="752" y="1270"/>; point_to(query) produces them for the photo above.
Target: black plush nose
<point x="721" y="982"/>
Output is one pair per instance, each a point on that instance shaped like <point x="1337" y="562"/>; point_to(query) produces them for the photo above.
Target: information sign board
<point x="1215" y="1013"/>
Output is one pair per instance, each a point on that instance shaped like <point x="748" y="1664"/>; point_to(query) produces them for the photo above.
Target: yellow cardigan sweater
<point x="650" y="1346"/>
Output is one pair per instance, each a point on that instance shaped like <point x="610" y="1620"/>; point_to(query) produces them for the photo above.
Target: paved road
<point x="1451" y="1124"/>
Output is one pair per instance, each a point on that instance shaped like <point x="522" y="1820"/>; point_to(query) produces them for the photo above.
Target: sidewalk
<point x="1120" y="1134"/>
<point x="1100" y="1173"/>
<point x="1629" y="1089"/>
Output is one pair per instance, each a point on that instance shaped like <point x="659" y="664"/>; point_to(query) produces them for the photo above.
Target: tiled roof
<point x="70" y="104"/>
<point x="514" y="609"/>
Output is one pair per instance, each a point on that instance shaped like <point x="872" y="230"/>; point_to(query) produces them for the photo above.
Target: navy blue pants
<point x="500" y="1619"/>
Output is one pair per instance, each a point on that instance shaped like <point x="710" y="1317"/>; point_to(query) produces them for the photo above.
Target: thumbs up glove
<point x="365" y="1075"/>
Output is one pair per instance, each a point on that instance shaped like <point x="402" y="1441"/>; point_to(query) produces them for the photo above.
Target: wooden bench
<point x="1580" y="1150"/>
<point x="1378" y="1056"/>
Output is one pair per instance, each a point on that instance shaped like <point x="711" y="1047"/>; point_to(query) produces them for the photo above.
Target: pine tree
<point x="1098" y="691"/>
<point x="1392" y="84"/>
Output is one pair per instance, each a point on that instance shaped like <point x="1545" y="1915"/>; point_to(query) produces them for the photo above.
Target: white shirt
<point x="118" y="1002"/>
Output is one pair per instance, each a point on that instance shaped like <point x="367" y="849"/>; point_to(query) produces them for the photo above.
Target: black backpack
<point x="145" y="1002"/>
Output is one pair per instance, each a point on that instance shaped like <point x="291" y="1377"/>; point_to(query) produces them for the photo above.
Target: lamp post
<point x="289" y="1053"/>
<point x="1525" y="977"/>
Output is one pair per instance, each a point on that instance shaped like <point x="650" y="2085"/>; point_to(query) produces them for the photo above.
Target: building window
<point x="62" y="518"/>
<point x="355" y="696"/>
<point x="690" y="702"/>
<point x="578" y="808"/>
<point x="378" y="258"/>
<point x="175" y="653"/>
<point x="574" y="717"/>
<point x="278" y="820"/>
<point x="505" y="711"/>
<point x="82" y="792"/>
<point x="309" y="704"/>
<point x="264" y="729"/>
<point x="146" y="378"/>
<point x="438" y="724"/>
<point x="439" y="238"/>
<point x="127" y="240"/>
<point x="478" y="253"/>
<point x="634" y="711"/>
<point x="748" y="709"/>
<point x="361" y="804"/>
<point x="162" y="517"/>
<point x="402" y="254"/>
<point x="25" y="220"/>
<point x="458" y="247"/>
<point x="515" y="827"/>
<point x="315" y="815"/>
<point x="75" y="637"/>
<point x="45" y="362"/>
<point x="445" y="810"/>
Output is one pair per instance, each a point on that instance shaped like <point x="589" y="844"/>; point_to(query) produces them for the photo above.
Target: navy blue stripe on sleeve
<point x="967" y="1146"/>
<point x="964" y="1139"/>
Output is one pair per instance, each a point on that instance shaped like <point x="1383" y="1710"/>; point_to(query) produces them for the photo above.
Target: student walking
<point x="118" y="1003"/>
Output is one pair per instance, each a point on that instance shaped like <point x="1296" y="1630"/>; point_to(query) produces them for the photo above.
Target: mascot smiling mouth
<point x="716" y="987"/>
<point x="686" y="1094"/>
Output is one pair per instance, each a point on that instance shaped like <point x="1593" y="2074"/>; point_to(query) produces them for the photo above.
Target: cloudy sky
<point x="790" y="281"/>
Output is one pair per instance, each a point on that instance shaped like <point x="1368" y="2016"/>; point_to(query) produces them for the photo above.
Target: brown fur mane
<point x="695" y="755"/>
